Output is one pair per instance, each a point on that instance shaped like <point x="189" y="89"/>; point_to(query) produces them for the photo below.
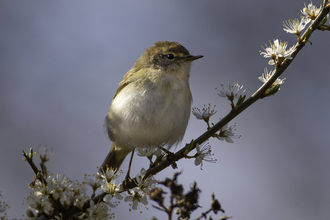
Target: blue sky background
<point x="61" y="62"/>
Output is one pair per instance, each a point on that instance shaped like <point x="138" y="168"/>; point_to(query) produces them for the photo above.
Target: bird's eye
<point x="170" y="56"/>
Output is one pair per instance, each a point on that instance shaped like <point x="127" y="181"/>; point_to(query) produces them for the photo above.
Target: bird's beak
<point x="192" y="58"/>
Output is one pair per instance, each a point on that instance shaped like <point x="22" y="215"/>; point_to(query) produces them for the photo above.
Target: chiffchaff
<point x="152" y="104"/>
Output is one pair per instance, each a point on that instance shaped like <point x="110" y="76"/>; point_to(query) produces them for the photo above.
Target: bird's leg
<point x="128" y="179"/>
<point x="170" y="157"/>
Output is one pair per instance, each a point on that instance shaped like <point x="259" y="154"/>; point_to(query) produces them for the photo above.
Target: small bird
<point x="152" y="104"/>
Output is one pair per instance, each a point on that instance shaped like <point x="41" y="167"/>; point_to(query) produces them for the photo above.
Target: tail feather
<point x="115" y="157"/>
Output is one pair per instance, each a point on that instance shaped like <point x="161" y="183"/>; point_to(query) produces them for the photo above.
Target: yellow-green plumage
<point x="153" y="101"/>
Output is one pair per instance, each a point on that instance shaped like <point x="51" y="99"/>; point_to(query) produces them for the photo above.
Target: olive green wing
<point x="131" y="76"/>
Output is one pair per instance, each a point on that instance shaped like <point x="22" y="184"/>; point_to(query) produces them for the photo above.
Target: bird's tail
<point x="115" y="157"/>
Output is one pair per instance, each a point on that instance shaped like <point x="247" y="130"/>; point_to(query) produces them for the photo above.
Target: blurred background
<point x="61" y="62"/>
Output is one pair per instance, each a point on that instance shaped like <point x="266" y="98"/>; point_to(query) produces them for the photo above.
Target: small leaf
<point x="189" y="147"/>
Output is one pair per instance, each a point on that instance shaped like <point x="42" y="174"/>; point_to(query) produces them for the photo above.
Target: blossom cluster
<point x="278" y="52"/>
<point x="48" y="193"/>
<point x="139" y="193"/>
<point x="135" y="196"/>
<point x="51" y="196"/>
<point x="107" y="181"/>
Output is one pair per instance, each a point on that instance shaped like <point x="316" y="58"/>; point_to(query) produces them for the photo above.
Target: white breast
<point x="150" y="111"/>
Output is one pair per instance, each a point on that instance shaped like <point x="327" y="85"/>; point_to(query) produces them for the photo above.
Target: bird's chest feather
<point x="153" y="111"/>
<point x="153" y="101"/>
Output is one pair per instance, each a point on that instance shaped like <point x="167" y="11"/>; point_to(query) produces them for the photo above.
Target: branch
<point x="32" y="165"/>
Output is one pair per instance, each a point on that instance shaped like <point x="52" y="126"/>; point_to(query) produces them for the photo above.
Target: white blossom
<point x="135" y="198"/>
<point x="267" y="75"/>
<point x="310" y="11"/>
<point x="65" y="199"/>
<point x="94" y="182"/>
<point x="39" y="204"/>
<point x="149" y="150"/>
<point x="77" y="189"/>
<point x="110" y="187"/>
<point x="294" y="26"/>
<point x="45" y="154"/>
<point x="227" y="134"/>
<point x="205" y="113"/>
<point x="97" y="211"/>
<point x="277" y="51"/>
<point x="233" y="92"/>
<point x="109" y="175"/>
<point x="147" y="184"/>
<point x="80" y="201"/>
<point x="203" y="153"/>
<point x="107" y="199"/>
